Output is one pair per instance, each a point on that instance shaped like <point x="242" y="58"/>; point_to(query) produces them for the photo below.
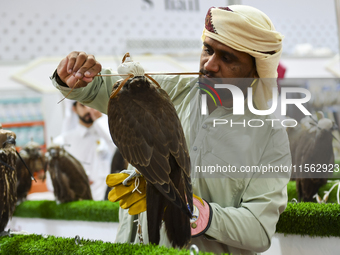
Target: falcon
<point x="8" y="176"/>
<point x="311" y="144"/>
<point x="147" y="131"/>
<point x="34" y="159"/>
<point x="70" y="182"/>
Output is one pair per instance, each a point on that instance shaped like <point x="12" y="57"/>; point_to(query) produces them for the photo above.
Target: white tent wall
<point x="37" y="28"/>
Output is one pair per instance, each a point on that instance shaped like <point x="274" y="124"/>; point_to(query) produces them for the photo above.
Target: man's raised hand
<point x="78" y="67"/>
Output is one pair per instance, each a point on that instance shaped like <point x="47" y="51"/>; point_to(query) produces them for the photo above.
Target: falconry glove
<point x="202" y="215"/>
<point x="132" y="195"/>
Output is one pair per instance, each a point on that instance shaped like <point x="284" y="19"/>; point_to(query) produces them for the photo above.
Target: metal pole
<point x="337" y="9"/>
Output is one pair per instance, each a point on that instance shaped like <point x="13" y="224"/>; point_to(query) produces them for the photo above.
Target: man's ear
<point x="74" y="109"/>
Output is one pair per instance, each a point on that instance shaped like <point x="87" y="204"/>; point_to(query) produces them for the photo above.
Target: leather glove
<point x="202" y="215"/>
<point x="132" y="196"/>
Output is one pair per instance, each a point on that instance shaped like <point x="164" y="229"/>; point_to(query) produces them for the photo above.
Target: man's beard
<point x="86" y="118"/>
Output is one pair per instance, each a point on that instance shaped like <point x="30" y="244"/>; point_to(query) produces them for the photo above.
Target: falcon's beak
<point x="10" y="140"/>
<point x="53" y="153"/>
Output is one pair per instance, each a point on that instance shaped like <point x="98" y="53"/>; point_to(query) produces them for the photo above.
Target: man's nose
<point x="212" y="64"/>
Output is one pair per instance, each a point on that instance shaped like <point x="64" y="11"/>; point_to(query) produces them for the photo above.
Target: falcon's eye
<point x="10" y="140"/>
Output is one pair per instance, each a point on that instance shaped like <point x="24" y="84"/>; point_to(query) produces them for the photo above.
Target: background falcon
<point x="8" y="176"/>
<point x="70" y="182"/>
<point x="311" y="143"/>
<point x="34" y="159"/>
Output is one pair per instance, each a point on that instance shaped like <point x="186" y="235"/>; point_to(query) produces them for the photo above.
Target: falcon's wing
<point x="69" y="179"/>
<point x="24" y="181"/>
<point x="304" y="148"/>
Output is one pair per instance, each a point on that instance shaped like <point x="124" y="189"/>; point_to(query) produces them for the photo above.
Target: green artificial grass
<point x="310" y="219"/>
<point x="86" y="210"/>
<point x="106" y="211"/>
<point x="37" y="244"/>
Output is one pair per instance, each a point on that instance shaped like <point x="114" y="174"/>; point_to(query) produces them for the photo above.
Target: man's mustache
<point x="86" y="118"/>
<point x="205" y="72"/>
<point x="87" y="115"/>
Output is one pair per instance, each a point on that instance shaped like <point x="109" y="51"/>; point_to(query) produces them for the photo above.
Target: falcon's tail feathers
<point x="177" y="223"/>
<point x="155" y="204"/>
<point x="177" y="226"/>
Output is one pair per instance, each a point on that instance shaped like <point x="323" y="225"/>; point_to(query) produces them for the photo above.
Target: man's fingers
<point x="78" y="66"/>
<point x="93" y="71"/>
<point x="73" y="81"/>
<point x="81" y="60"/>
<point x="71" y="60"/>
<point x="62" y="68"/>
<point x="90" y="68"/>
<point x="87" y="79"/>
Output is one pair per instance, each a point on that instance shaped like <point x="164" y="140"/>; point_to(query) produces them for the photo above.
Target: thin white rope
<point x="136" y="186"/>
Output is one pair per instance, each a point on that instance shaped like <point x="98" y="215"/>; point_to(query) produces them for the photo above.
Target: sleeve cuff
<point x="208" y="224"/>
<point x="56" y="77"/>
<point x="64" y="89"/>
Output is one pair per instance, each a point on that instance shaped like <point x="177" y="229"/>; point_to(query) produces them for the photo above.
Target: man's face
<point x="221" y="61"/>
<point x="83" y="113"/>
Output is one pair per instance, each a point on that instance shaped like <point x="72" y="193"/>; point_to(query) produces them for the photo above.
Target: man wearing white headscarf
<point x="246" y="29"/>
<point x="239" y="210"/>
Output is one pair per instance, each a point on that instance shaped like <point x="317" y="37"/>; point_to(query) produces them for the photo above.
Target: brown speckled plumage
<point x="8" y="177"/>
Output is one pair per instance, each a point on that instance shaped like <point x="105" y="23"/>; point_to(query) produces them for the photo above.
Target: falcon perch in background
<point x="147" y="131"/>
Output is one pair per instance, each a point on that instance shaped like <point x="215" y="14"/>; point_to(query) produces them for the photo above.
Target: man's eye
<point x="226" y="59"/>
<point x="209" y="51"/>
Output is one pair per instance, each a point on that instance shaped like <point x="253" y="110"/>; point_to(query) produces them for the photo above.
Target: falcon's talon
<point x="130" y="177"/>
